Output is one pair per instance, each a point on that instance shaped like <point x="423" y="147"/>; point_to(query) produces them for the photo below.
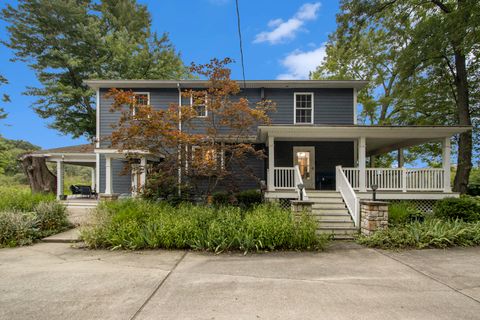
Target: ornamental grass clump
<point x="432" y="233"/>
<point x="139" y="224"/>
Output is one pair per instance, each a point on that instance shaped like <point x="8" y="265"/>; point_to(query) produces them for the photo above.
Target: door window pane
<point x="303" y="162"/>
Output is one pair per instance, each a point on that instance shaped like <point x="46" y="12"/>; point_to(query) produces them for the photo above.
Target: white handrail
<point x="298" y="181"/>
<point x="398" y="179"/>
<point x="348" y="194"/>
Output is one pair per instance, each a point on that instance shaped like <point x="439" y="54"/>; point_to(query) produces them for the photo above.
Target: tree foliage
<point x="204" y="149"/>
<point x="422" y="60"/>
<point x="4" y="98"/>
<point x="68" y="41"/>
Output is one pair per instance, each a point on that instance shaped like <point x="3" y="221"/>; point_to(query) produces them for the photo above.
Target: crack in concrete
<point x="158" y="287"/>
<point x="429" y="276"/>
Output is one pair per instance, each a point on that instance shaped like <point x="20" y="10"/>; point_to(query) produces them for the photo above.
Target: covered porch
<point x="79" y="155"/>
<point x="350" y="172"/>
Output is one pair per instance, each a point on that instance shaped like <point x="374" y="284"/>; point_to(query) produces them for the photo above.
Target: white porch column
<point x="108" y="175"/>
<point x="60" y="171"/>
<point x="143" y="174"/>
<point x="400" y="158"/>
<point x="362" y="163"/>
<point x="271" y="164"/>
<point x="446" y="150"/>
<point x="94" y="179"/>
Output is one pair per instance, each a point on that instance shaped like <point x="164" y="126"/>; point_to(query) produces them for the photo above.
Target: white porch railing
<point x="288" y="178"/>
<point x="398" y="179"/>
<point x="348" y="194"/>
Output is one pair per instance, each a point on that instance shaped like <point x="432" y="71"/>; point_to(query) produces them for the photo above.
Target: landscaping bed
<point x="26" y="217"/>
<point x="454" y="222"/>
<point x="141" y="224"/>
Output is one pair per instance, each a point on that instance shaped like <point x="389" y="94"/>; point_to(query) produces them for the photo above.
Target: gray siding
<point x="331" y="106"/>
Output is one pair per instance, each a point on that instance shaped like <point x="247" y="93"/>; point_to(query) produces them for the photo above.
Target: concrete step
<point x="72" y="235"/>
<point x="319" y="211"/>
<point x="337" y="230"/>
<point x="320" y="194"/>
<point x="340" y="205"/>
<point x="326" y="217"/>
<point x="335" y="224"/>
<point x="326" y="200"/>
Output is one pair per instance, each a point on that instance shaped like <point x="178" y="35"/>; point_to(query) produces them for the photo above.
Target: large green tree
<point x="422" y="58"/>
<point x="68" y="41"/>
<point x="4" y="98"/>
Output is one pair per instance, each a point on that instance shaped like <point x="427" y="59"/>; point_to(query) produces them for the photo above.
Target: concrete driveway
<point x="56" y="281"/>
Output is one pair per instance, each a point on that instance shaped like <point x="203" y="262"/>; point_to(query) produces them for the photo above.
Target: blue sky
<point x="282" y="40"/>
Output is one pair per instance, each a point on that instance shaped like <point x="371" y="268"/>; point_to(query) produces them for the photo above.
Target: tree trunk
<point x="464" y="158"/>
<point x="39" y="177"/>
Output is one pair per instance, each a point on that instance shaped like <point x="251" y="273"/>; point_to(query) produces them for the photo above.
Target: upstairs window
<point x="201" y="109"/>
<point x="303" y="103"/>
<point x="140" y="99"/>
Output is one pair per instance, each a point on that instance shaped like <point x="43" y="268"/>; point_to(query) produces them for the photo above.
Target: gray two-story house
<point x="314" y="147"/>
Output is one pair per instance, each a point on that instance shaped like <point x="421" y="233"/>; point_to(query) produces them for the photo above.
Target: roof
<point x="379" y="139"/>
<point x="97" y="84"/>
<point x="80" y="149"/>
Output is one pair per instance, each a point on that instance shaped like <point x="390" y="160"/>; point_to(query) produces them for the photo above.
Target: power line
<point x="241" y="45"/>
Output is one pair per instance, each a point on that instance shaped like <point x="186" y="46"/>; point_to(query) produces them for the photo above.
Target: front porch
<point x="348" y="170"/>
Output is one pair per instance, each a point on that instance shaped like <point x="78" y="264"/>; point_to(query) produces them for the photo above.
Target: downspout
<point x="179" y="147"/>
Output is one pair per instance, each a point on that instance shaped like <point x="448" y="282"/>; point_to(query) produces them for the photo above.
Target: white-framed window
<point x="201" y="109"/>
<point x="303" y="107"/>
<point x="140" y="99"/>
<point x="211" y="155"/>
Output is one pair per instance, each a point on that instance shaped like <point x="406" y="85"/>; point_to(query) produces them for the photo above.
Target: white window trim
<point x="206" y="108"/>
<point x="295" y="107"/>
<point x="148" y="100"/>
<point x="222" y="155"/>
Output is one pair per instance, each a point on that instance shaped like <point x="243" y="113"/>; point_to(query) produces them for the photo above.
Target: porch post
<point x="143" y="174"/>
<point x="60" y="171"/>
<point x="108" y="175"/>
<point x="446" y="149"/>
<point x="400" y="159"/>
<point x="362" y="157"/>
<point x="271" y="164"/>
<point x="94" y="179"/>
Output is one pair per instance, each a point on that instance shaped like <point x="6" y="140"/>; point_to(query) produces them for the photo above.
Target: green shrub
<point x="51" y="217"/>
<point x="136" y="224"/>
<point x="17" y="228"/>
<point x="433" y="233"/>
<point x="222" y="198"/>
<point x="249" y="198"/>
<point x="473" y="190"/>
<point x="465" y="208"/>
<point x="403" y="212"/>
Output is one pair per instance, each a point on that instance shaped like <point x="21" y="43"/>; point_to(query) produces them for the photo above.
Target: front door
<point x="304" y="157"/>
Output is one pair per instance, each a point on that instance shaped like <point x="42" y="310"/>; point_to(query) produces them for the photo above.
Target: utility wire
<point x="241" y="45"/>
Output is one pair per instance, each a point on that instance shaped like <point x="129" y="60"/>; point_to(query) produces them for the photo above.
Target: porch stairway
<point x="332" y="215"/>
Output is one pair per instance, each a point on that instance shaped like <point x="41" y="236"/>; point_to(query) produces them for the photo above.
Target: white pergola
<point x="368" y="140"/>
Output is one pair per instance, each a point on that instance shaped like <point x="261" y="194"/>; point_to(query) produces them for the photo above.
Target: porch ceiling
<point x="379" y="139"/>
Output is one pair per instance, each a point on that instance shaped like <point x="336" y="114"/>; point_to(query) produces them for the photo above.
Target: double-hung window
<point x="200" y="108"/>
<point x="303" y="103"/>
<point x="140" y="99"/>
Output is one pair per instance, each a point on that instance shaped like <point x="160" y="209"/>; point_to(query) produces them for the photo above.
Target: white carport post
<point x="143" y="174"/>
<point x="362" y="163"/>
<point x="271" y="164"/>
<point x="60" y="171"/>
<point x="446" y="150"/>
<point x="94" y="179"/>
<point x="108" y="175"/>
